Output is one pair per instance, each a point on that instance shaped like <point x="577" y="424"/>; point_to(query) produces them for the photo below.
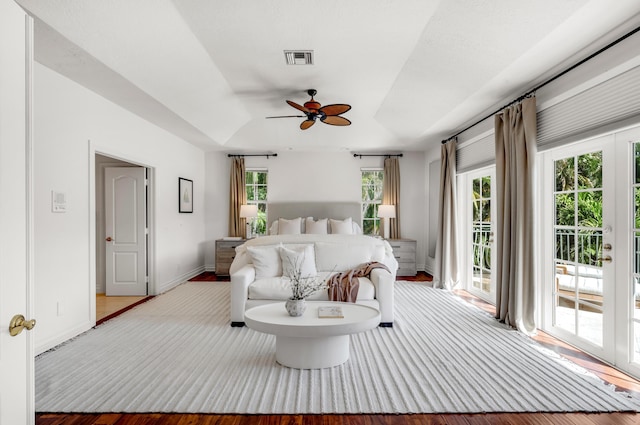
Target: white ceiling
<point x="414" y="71"/>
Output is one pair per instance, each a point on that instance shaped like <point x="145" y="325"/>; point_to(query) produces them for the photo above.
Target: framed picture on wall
<point x="185" y="195"/>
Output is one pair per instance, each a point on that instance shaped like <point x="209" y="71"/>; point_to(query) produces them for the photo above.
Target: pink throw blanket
<point x="344" y="286"/>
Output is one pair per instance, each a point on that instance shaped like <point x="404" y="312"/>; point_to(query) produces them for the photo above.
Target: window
<point x="371" y="198"/>
<point x="256" y="185"/>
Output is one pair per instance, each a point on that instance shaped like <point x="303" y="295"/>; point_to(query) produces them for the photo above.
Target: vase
<point x="295" y="308"/>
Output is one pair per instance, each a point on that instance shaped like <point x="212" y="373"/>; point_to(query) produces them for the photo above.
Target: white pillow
<point x="266" y="260"/>
<point x="273" y="230"/>
<point x="316" y="227"/>
<point x="289" y="227"/>
<point x="342" y="227"/>
<point x="302" y="258"/>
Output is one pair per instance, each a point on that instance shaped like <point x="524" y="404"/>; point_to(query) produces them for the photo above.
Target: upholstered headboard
<point x="335" y="210"/>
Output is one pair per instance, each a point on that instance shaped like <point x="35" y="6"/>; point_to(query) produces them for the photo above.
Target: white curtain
<point x="515" y="133"/>
<point x="447" y="245"/>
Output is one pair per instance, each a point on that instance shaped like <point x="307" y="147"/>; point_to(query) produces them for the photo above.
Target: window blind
<point x="602" y="105"/>
<point x="478" y="154"/>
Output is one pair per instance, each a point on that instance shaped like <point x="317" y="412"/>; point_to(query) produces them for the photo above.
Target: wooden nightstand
<point x="225" y="253"/>
<point x="405" y="252"/>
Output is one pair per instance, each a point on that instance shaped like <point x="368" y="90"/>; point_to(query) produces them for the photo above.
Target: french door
<point x="591" y="246"/>
<point x="478" y="200"/>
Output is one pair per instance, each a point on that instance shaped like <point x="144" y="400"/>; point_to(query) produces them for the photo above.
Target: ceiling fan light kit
<point x="329" y="114"/>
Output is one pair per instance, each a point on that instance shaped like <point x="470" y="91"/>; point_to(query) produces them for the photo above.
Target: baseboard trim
<point x="179" y="280"/>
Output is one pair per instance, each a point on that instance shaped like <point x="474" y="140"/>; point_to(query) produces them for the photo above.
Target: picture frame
<point x="185" y="195"/>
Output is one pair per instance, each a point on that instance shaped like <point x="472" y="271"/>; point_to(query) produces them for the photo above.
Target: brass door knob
<point x="109" y="239"/>
<point x="18" y="324"/>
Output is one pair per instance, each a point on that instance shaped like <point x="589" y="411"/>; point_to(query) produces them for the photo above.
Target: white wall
<point x="317" y="176"/>
<point x="70" y="123"/>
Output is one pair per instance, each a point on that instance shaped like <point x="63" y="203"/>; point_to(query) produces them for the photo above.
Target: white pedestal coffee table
<point x="310" y="342"/>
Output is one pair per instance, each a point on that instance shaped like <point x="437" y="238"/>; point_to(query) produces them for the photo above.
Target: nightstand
<point x="405" y="252"/>
<point x="225" y="253"/>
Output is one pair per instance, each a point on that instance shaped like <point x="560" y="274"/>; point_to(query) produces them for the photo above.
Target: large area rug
<point x="177" y="353"/>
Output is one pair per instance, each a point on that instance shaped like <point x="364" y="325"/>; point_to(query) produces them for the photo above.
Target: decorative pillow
<point x="342" y="227"/>
<point x="289" y="227"/>
<point x="273" y="230"/>
<point x="266" y="260"/>
<point x="302" y="259"/>
<point x="316" y="227"/>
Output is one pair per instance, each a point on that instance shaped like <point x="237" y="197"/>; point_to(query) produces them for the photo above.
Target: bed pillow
<point x="316" y="227"/>
<point x="302" y="258"/>
<point x="341" y="227"/>
<point x="266" y="260"/>
<point x="289" y="227"/>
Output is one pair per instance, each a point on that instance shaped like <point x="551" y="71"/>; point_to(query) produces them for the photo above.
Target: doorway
<point x="131" y="266"/>
<point x="478" y="195"/>
<point x="591" y="247"/>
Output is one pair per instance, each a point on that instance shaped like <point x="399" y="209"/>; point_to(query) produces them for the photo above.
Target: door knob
<point x="109" y="239"/>
<point x="605" y="259"/>
<point x="18" y="324"/>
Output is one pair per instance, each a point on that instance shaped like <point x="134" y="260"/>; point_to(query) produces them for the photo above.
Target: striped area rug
<point x="177" y="353"/>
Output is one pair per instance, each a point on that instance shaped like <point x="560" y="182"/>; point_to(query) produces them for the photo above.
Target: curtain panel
<point x="391" y="195"/>
<point x="447" y="243"/>
<point x="237" y="197"/>
<point x="515" y="132"/>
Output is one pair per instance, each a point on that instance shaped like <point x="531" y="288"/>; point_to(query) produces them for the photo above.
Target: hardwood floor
<point x="108" y="307"/>
<point x="607" y="373"/>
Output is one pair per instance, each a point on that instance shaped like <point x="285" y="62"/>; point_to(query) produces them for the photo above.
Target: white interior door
<point x="125" y="230"/>
<point x="16" y="352"/>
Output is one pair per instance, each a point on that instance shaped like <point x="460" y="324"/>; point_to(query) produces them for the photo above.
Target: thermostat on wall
<point x="58" y="202"/>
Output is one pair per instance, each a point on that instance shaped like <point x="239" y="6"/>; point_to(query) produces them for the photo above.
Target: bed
<point x="256" y="276"/>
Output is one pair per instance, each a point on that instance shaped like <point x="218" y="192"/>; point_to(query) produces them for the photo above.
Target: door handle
<point x="605" y="259"/>
<point x="109" y="239"/>
<point x="18" y="324"/>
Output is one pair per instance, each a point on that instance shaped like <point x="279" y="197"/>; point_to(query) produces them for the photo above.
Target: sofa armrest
<point x="240" y="281"/>
<point x="384" y="283"/>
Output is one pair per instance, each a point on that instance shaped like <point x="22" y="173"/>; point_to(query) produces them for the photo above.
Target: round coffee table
<point x="310" y="342"/>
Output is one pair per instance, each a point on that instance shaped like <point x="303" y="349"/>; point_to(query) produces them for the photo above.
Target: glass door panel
<point x="480" y="195"/>
<point x="578" y="229"/>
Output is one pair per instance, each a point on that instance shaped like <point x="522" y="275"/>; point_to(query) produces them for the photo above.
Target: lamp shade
<point x="248" y="211"/>
<point x="387" y="211"/>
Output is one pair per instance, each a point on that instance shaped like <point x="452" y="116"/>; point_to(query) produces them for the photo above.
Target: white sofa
<point x="256" y="284"/>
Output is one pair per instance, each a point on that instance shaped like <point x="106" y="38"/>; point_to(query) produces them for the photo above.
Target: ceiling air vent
<point x="299" y="57"/>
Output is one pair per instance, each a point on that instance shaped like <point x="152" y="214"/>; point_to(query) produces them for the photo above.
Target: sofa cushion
<point x="278" y="288"/>
<point x="342" y="257"/>
<point x="300" y="259"/>
<point x="266" y="260"/>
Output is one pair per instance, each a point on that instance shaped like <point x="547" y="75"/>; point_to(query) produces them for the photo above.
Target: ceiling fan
<point x="328" y="114"/>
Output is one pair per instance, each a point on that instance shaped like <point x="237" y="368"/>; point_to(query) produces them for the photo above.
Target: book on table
<point x="330" y="312"/>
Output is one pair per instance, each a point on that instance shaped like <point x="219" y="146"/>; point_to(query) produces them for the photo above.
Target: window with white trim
<point x="256" y="186"/>
<point x="371" y="199"/>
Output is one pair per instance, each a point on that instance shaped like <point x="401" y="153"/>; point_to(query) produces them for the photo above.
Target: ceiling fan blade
<point x="288" y="116"/>
<point x="335" y="109"/>
<point x="335" y="120"/>
<point x="298" y="107"/>
<point x="306" y="124"/>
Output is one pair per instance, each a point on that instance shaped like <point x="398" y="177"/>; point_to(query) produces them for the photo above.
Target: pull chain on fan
<point x="329" y="114"/>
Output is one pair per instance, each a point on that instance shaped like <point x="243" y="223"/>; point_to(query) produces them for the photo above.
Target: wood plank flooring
<point x="609" y="374"/>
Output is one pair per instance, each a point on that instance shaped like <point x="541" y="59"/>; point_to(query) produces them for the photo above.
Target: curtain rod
<point x="388" y="155"/>
<point x="550" y="80"/>
<point x="242" y="156"/>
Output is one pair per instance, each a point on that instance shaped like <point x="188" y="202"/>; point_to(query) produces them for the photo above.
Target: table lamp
<point x="248" y="212"/>
<point x="386" y="212"/>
